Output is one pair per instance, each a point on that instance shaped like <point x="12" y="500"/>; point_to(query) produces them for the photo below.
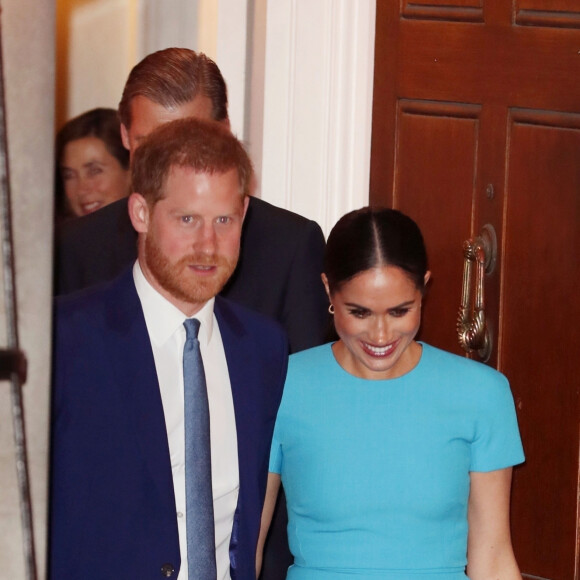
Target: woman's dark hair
<point x="374" y="237"/>
<point x="101" y="123"/>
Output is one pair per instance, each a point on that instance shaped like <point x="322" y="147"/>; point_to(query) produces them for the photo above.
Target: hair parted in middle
<point x="201" y="145"/>
<point x="172" y="77"/>
<point x="371" y="238"/>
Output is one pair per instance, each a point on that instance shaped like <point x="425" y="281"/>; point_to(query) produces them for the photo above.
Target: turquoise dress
<point x="376" y="473"/>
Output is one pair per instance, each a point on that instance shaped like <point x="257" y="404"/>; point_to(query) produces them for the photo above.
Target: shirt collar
<point x="163" y="319"/>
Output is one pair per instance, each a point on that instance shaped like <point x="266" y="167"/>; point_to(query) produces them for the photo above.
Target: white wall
<point x="28" y="49"/>
<point x="231" y="57"/>
<point x="164" y="23"/>
<point x="317" y="106"/>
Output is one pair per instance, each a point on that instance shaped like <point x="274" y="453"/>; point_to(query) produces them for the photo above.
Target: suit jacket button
<point x="167" y="570"/>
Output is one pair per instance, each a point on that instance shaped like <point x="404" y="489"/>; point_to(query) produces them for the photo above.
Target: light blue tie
<point x="198" y="492"/>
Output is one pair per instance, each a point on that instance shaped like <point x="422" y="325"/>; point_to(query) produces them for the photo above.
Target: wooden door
<point x="476" y="121"/>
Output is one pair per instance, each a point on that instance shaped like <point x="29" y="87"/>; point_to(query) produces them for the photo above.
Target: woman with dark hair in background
<point x="395" y="456"/>
<point x="92" y="165"/>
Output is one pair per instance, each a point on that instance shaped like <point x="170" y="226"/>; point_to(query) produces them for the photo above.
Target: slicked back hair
<point x="372" y="238"/>
<point x="173" y="77"/>
<point x="201" y="145"/>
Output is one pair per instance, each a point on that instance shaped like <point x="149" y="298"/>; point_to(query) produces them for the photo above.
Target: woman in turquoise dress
<point x="396" y="457"/>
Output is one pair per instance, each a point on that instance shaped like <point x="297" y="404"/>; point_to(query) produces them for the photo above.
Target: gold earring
<point x="331" y="309"/>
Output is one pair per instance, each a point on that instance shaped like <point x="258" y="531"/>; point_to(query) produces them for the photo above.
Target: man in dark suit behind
<point x="281" y="257"/>
<point x="118" y="501"/>
<point x="278" y="273"/>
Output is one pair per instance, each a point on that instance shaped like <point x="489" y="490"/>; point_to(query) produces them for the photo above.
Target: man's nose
<point x="206" y="240"/>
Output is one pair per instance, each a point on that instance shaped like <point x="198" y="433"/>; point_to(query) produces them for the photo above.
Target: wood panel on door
<point x="476" y="121"/>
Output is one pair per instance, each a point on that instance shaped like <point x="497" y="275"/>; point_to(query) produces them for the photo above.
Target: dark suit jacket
<point x="278" y="273"/>
<point x="113" y="508"/>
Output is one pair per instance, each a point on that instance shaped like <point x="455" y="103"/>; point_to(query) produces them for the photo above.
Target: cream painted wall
<point x="207" y="29"/>
<point x="28" y="49"/>
<point x="99" y="41"/>
<point x="101" y="53"/>
<point x="256" y="69"/>
<point x="164" y="23"/>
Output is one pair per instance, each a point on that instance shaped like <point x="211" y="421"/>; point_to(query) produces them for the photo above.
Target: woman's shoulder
<point x="442" y="363"/>
<point x="311" y="358"/>
<point x="309" y="366"/>
<point x="472" y="386"/>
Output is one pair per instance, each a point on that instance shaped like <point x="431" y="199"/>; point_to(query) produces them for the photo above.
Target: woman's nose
<point x="380" y="331"/>
<point x="85" y="185"/>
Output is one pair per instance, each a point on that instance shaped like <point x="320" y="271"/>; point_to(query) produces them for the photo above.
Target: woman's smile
<point x="377" y="315"/>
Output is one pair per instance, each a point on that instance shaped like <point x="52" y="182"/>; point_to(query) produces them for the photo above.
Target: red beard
<point x="179" y="281"/>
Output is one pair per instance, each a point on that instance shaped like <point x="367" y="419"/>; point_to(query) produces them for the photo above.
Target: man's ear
<point x="325" y="282"/>
<point x="139" y="213"/>
<point x="125" y="137"/>
<point x="246" y="204"/>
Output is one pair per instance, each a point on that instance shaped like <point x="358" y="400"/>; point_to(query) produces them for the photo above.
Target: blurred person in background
<point x="92" y="165"/>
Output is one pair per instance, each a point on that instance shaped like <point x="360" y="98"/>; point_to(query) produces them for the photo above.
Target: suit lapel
<point x="133" y="367"/>
<point x="242" y="375"/>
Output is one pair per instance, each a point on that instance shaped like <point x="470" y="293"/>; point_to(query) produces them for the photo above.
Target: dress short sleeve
<point x="497" y="443"/>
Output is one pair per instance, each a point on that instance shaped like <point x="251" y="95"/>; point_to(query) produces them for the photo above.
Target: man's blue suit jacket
<point x="113" y="511"/>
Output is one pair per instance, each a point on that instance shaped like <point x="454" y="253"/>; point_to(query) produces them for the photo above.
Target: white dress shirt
<point x="167" y="335"/>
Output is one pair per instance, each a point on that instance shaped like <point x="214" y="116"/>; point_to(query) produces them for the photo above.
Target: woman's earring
<point x="331" y="309"/>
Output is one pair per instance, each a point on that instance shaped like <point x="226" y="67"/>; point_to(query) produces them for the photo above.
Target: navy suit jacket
<point x="278" y="274"/>
<point x="113" y="510"/>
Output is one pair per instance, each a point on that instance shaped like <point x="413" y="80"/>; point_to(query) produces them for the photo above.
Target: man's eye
<point x="186" y="219"/>
<point x="222" y="220"/>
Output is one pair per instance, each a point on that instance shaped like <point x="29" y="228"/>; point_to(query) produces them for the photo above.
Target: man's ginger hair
<point x="201" y="145"/>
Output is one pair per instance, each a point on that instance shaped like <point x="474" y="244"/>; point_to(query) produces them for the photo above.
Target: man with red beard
<point x="278" y="271"/>
<point x="121" y="499"/>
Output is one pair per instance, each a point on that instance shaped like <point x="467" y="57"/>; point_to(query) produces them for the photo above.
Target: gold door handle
<point x="472" y="329"/>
